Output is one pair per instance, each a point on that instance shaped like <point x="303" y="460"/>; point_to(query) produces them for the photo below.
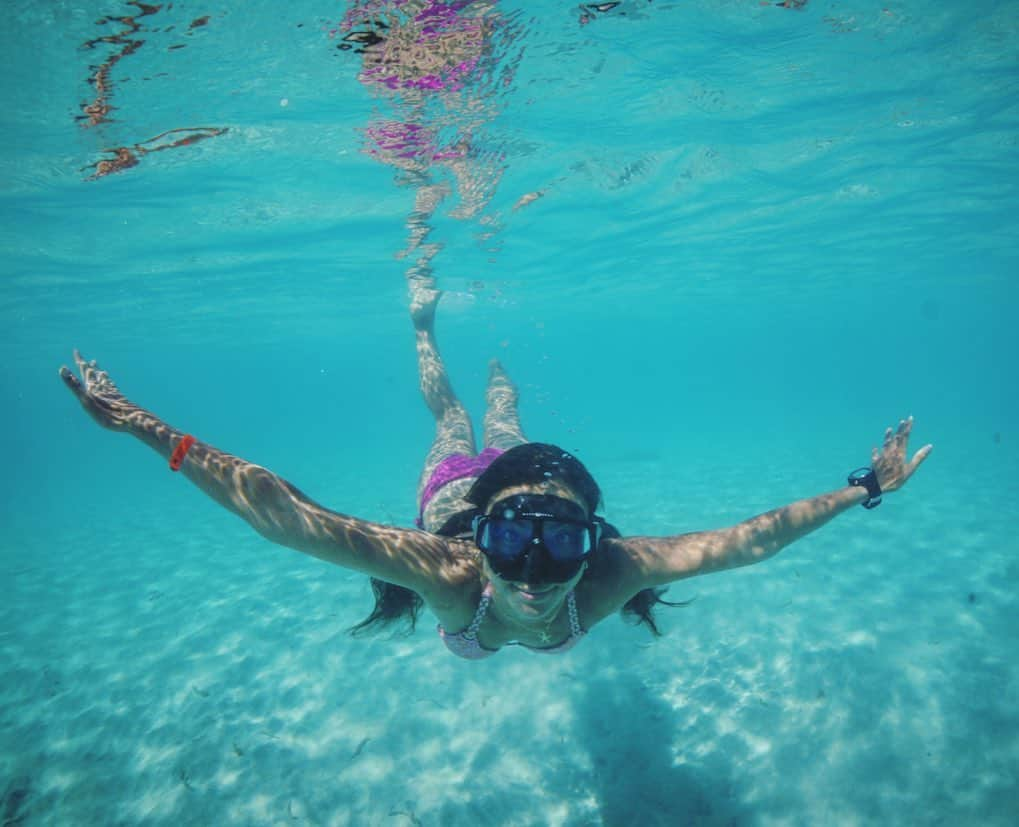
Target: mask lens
<point x="566" y="541"/>
<point x="504" y="543"/>
<point x="508" y="538"/>
<point x="530" y="538"/>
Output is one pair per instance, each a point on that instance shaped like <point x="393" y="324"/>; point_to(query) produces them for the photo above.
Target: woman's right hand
<point x="98" y="395"/>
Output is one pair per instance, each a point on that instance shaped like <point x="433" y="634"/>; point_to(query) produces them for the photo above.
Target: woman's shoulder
<point x="609" y="580"/>
<point x="612" y="560"/>
<point x="457" y="581"/>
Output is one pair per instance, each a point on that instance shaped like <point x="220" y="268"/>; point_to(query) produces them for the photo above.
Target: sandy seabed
<point x="868" y="675"/>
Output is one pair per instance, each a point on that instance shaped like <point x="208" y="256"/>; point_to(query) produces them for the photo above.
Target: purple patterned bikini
<point x="453" y="467"/>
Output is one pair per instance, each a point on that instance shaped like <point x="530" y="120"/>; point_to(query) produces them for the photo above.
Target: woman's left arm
<point x="656" y="561"/>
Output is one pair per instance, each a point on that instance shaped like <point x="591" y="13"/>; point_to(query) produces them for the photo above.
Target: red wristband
<point x="177" y="457"/>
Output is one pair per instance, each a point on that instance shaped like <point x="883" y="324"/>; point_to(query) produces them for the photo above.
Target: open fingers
<point x="919" y="457"/>
<point x="71" y="381"/>
<point x="86" y="369"/>
<point x="88" y="379"/>
<point x="897" y="438"/>
<point x="82" y="382"/>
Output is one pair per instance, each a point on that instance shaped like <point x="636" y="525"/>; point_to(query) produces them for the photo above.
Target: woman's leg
<point x="427" y="198"/>
<point x="454" y="433"/>
<point x="502" y="421"/>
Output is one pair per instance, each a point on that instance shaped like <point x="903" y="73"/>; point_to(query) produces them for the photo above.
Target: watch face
<point x="860" y="474"/>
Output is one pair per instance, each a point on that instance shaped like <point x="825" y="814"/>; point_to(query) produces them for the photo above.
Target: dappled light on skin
<point x="447" y="572"/>
<point x="282" y="513"/>
<point x="276" y="509"/>
<point x="666" y="559"/>
<point x="454" y="432"/>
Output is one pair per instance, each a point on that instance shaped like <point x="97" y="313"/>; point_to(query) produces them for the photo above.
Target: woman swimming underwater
<point x="509" y="549"/>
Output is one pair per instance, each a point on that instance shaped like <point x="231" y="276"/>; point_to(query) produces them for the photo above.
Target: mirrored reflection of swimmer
<point x="590" y="11"/>
<point x="434" y="64"/>
<point x="125" y="157"/>
<point x="127" y="40"/>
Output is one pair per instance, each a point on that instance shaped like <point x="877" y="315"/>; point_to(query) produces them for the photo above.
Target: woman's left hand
<point x="890" y="464"/>
<point x="98" y="395"/>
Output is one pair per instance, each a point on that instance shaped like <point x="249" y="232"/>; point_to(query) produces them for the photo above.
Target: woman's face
<point x="522" y="601"/>
<point x="529" y="603"/>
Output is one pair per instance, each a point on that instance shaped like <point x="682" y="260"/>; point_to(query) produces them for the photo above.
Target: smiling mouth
<point x="535" y="591"/>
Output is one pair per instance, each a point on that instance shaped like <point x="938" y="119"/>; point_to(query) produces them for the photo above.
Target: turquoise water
<point x="764" y="234"/>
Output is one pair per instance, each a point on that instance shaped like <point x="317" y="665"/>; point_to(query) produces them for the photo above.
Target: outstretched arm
<point x="273" y="507"/>
<point x="655" y="561"/>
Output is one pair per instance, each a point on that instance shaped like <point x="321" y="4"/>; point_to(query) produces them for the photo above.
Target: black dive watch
<point x="866" y="478"/>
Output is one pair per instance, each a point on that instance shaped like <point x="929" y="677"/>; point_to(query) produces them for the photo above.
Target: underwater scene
<point x="569" y="327"/>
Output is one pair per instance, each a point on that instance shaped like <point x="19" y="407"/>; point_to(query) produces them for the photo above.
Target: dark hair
<point x="640" y="608"/>
<point x="535" y="462"/>
<point x="528" y="463"/>
<point x="392" y="603"/>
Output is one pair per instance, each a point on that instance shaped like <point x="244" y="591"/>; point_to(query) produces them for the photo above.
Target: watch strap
<point x="867" y="479"/>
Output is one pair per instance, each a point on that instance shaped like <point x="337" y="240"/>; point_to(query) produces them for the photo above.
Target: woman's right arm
<point x="276" y="509"/>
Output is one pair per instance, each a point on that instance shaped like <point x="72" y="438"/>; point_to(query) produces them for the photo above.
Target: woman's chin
<point x="533" y="591"/>
<point x="534" y="599"/>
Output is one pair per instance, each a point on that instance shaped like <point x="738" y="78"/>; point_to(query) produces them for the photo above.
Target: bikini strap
<point x="571" y="608"/>
<point x="471" y="632"/>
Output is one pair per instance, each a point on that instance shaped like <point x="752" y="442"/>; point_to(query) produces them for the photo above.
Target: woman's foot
<point x="424" y="298"/>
